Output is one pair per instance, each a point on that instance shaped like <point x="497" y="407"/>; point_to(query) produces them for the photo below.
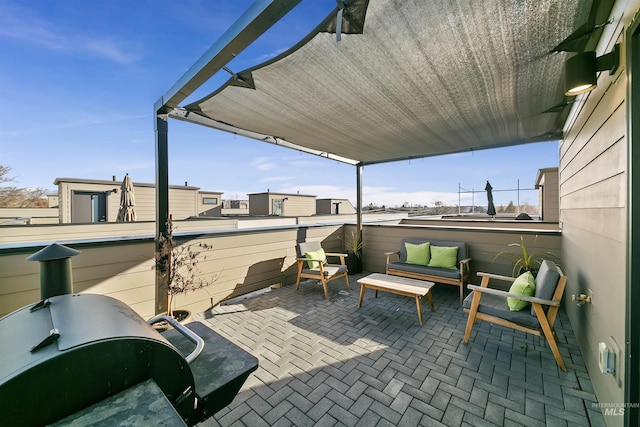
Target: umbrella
<point x="127" y="212"/>
<point x="491" y="209"/>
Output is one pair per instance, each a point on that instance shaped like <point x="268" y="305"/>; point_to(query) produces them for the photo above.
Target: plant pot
<point x="354" y="262"/>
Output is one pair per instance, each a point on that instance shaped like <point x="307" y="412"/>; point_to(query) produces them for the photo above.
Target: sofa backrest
<point x="462" y="247"/>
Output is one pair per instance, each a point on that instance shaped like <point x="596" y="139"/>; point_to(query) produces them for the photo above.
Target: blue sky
<point x="78" y="80"/>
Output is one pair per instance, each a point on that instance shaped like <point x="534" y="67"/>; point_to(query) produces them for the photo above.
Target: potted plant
<point x="354" y="245"/>
<point x="525" y="261"/>
<point x="179" y="270"/>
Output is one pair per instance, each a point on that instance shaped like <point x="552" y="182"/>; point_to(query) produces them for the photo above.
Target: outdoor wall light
<point x="580" y="70"/>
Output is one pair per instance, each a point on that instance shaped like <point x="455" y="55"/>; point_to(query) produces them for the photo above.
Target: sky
<point x="78" y="80"/>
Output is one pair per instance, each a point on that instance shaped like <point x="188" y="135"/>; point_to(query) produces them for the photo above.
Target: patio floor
<point x="330" y="363"/>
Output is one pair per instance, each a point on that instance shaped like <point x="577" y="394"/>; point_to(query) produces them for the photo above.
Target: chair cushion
<point x="496" y="305"/>
<point x="417" y="253"/>
<point x="423" y="269"/>
<point x="329" y="270"/>
<point x="317" y="255"/>
<point x="546" y="282"/>
<point x="444" y="257"/>
<point x="525" y="284"/>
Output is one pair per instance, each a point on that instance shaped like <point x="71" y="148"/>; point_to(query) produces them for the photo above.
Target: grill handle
<point x="188" y="333"/>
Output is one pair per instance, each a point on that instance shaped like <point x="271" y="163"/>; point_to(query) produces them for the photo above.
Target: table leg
<point x="361" y="295"/>
<point x="419" y="307"/>
<point x="430" y="300"/>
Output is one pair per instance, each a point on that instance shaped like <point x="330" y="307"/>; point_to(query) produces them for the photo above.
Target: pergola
<point x="382" y="80"/>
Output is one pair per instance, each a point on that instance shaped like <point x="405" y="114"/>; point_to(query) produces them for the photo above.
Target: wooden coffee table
<point x="397" y="285"/>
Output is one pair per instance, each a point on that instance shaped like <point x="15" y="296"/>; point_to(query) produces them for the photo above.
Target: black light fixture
<point x="580" y="70"/>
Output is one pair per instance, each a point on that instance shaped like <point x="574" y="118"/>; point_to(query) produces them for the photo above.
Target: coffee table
<point x="397" y="285"/>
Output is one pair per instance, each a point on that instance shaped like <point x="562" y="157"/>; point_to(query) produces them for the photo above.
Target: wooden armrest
<point x="336" y="254"/>
<point x="392" y="253"/>
<point x="508" y="294"/>
<point x="496" y="276"/>
<point x="465" y="261"/>
<point x="310" y="259"/>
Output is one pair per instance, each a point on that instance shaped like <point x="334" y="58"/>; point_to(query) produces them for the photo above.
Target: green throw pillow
<point x="417" y="253"/>
<point x="525" y="284"/>
<point x="444" y="256"/>
<point x="319" y="254"/>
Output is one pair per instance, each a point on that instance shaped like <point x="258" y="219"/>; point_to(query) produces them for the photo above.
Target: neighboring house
<point x="87" y="201"/>
<point x="548" y="194"/>
<point x="52" y="200"/>
<point x="209" y="203"/>
<point x="334" y="207"/>
<point x="281" y="204"/>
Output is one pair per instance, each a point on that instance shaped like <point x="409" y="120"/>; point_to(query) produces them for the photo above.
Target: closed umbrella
<point x="491" y="209"/>
<point x="127" y="212"/>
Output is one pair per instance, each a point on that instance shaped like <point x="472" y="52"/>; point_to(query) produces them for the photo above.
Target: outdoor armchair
<point x="490" y="305"/>
<point x="312" y="264"/>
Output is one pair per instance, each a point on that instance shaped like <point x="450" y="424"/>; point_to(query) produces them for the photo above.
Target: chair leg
<point x="548" y="333"/>
<point x="299" y="271"/>
<point x="346" y="280"/>
<point x="472" y="316"/>
<point x="324" y="286"/>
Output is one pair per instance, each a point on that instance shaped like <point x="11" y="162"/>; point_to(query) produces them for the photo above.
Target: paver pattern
<point x="328" y="363"/>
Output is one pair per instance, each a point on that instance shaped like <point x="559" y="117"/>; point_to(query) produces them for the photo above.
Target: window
<point x="209" y="200"/>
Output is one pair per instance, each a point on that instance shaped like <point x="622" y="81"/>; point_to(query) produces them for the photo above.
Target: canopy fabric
<point x="423" y="78"/>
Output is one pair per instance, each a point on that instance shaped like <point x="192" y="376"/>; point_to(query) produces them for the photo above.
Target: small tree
<point x="178" y="266"/>
<point x="15" y="197"/>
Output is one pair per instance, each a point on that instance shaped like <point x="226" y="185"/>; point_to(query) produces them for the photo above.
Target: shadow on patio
<point x="330" y="363"/>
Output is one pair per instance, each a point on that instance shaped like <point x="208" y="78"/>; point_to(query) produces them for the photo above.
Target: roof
<point x="411" y="78"/>
<point x="59" y="181"/>
<point x="271" y="193"/>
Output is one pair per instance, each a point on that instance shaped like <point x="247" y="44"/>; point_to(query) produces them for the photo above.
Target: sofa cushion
<point x="417" y="253"/>
<point x="462" y="247"/>
<point x="524" y="284"/>
<point x="423" y="269"/>
<point x="546" y="282"/>
<point x="444" y="257"/>
<point x="496" y="305"/>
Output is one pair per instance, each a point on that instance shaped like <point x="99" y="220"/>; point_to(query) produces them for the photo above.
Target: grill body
<point x="78" y="350"/>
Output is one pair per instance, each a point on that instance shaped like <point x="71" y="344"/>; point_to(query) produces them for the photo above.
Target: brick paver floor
<point x="326" y="362"/>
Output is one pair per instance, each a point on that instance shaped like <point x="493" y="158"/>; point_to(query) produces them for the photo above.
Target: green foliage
<point x="525" y="261"/>
<point x="178" y="266"/>
<point x="353" y="242"/>
<point x="15" y="197"/>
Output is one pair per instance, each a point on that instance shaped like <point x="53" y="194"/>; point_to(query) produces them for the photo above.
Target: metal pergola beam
<point x="261" y="16"/>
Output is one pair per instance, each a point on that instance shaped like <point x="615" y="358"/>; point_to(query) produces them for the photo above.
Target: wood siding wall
<point x="259" y="204"/>
<point x="241" y="261"/>
<point x="298" y="206"/>
<point x="483" y="244"/>
<point x="593" y="213"/>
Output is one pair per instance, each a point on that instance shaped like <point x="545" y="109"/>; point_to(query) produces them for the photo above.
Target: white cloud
<point x="23" y="25"/>
<point x="262" y="58"/>
<point x="263" y="163"/>
<point x="276" y="179"/>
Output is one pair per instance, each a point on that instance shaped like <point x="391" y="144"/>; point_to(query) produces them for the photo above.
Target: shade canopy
<point x="410" y="79"/>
